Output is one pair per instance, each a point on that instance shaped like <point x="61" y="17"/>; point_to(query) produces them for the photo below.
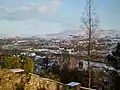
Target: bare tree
<point x="90" y="24"/>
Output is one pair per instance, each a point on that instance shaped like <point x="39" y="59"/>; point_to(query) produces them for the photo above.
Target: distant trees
<point x="65" y="60"/>
<point x="67" y="76"/>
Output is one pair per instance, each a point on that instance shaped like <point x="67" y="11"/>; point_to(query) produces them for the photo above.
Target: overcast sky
<point x="35" y="17"/>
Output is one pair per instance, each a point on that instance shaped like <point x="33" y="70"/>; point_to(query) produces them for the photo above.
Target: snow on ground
<point x="96" y="64"/>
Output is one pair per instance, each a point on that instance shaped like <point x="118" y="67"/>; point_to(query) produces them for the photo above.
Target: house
<point x="23" y="53"/>
<point x="41" y="60"/>
<point x="53" y="64"/>
<point x="73" y="86"/>
<point x="32" y="54"/>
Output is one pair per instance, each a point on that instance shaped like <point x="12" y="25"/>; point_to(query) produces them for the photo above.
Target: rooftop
<point x="72" y="84"/>
<point x="17" y="70"/>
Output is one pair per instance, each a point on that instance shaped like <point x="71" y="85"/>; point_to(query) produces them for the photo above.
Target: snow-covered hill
<point x="99" y="33"/>
<point x="62" y="34"/>
<point x="108" y="33"/>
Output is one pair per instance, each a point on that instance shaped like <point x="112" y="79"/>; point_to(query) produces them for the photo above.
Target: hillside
<point x="12" y="81"/>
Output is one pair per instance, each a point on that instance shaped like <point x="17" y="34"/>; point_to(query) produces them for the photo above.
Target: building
<point x="73" y="86"/>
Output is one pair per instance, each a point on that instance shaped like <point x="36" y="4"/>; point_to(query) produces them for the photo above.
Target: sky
<point x="38" y="17"/>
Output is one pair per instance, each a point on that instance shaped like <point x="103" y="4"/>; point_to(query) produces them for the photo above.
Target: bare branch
<point x="90" y="22"/>
<point x="85" y="22"/>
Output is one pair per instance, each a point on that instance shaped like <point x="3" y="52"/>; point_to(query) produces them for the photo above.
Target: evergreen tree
<point x="23" y="62"/>
<point x="12" y="62"/>
<point x="28" y="65"/>
<point x="114" y="59"/>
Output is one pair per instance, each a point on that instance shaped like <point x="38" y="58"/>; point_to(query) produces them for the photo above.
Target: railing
<point x="84" y="88"/>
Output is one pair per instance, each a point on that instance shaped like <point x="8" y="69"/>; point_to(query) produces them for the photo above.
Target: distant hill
<point x="63" y="34"/>
<point x="99" y="33"/>
<point x="108" y="33"/>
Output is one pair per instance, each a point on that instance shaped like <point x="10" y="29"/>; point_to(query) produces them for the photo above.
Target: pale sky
<point x="36" y="17"/>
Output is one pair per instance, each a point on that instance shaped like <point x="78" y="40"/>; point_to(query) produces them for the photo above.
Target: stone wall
<point x="11" y="81"/>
